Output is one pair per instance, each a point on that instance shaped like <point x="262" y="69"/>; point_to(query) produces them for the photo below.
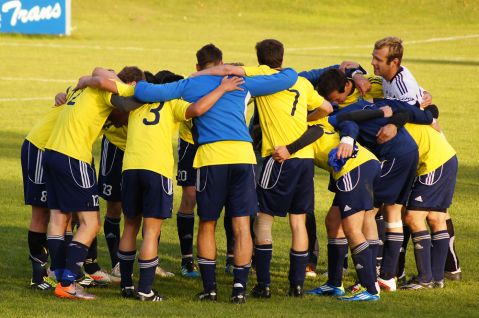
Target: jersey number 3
<point x="156" y="112"/>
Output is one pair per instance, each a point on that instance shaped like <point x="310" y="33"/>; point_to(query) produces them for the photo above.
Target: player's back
<point x="40" y="133"/>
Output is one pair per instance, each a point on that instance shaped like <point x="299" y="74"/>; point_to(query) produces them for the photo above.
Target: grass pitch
<point x="441" y="49"/>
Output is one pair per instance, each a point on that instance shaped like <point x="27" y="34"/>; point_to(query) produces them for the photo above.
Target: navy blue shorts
<point x="287" y="187"/>
<point x="355" y="190"/>
<point x="186" y="175"/>
<point x="230" y="186"/>
<point x="109" y="179"/>
<point x="71" y="183"/>
<point x="397" y="177"/>
<point x="34" y="186"/>
<point x="434" y="191"/>
<point x="146" y="193"/>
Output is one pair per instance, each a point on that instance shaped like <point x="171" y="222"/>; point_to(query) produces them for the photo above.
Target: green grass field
<point x="441" y="49"/>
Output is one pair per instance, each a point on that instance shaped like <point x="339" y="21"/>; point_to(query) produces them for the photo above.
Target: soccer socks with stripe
<point x="337" y="251"/>
<point x="91" y="263"/>
<point x="374" y="247"/>
<point x="147" y="274"/>
<point x="402" y="252"/>
<point x="111" y="228"/>
<point x="185" y="224"/>
<point x="452" y="261"/>
<point x="297" y="267"/>
<point x="422" y="254"/>
<point x="440" y="246"/>
<point x="392" y="246"/>
<point x="208" y="273"/>
<point x="361" y="255"/>
<point x="37" y="244"/>
<point x="126" y="259"/>
<point x="263" y="255"/>
<point x="76" y="254"/>
<point x="57" y="255"/>
<point x="240" y="274"/>
<point x="382" y="238"/>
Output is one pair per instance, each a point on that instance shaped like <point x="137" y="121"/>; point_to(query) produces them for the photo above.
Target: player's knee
<point x="436" y="220"/>
<point x="262" y="229"/>
<point x="113" y="210"/>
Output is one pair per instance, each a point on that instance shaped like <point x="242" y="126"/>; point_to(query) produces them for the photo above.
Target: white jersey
<point x="403" y="87"/>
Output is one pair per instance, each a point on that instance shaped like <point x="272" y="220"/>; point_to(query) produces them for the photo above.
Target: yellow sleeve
<point x="179" y="110"/>
<point x="124" y="90"/>
<point x="258" y="70"/>
<point x="376" y="87"/>
<point x="314" y="99"/>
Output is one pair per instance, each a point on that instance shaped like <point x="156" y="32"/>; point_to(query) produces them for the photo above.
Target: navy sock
<point x="392" y="247"/>
<point x="111" y="228"/>
<point x="382" y="239"/>
<point x="91" y="263"/>
<point x="76" y="255"/>
<point x="312" y="239"/>
<point x="297" y="267"/>
<point x="263" y="255"/>
<point x="345" y="261"/>
<point x="361" y="255"/>
<point x="422" y="254"/>
<point x="374" y="247"/>
<point x="402" y="251"/>
<point x="337" y="250"/>
<point x="147" y="274"/>
<point x="185" y="224"/>
<point x="208" y="273"/>
<point x="127" y="259"/>
<point x="230" y="240"/>
<point x="452" y="261"/>
<point x="240" y="274"/>
<point x="57" y="256"/>
<point x="440" y="246"/>
<point x="38" y="255"/>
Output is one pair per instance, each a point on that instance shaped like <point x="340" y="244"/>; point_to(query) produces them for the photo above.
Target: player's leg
<point x="185" y="221"/>
<point x="298" y="256"/>
<point x="127" y="254"/>
<point x="206" y="245"/>
<point x="452" y="269"/>
<point x="230" y="243"/>
<point x="243" y="249"/>
<point x="111" y="229"/>
<point x="312" y="245"/>
<point x="370" y="231"/>
<point x="440" y="245"/>
<point x="263" y="251"/>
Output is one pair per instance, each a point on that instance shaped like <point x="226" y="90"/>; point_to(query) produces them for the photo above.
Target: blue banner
<point x="35" y="17"/>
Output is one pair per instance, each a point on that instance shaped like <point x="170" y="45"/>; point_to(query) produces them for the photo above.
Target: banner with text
<point x="35" y="17"/>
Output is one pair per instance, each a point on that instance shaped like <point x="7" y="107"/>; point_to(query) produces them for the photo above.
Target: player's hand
<point x="82" y="82"/>
<point x="281" y="154"/>
<point x="229" y="84"/>
<point x="388" y="112"/>
<point x="348" y="64"/>
<point x="60" y="99"/>
<point x="362" y="83"/>
<point x="386" y="133"/>
<point x="426" y="100"/>
<point x="344" y="151"/>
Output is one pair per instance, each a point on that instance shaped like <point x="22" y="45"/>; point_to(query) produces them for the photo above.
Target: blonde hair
<point x="395" y="47"/>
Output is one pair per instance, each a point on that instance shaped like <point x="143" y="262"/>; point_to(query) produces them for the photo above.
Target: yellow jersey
<point x="434" y="150"/>
<point x="283" y="115"/>
<point x="224" y="152"/>
<point x="81" y="121"/>
<point x="42" y="130"/>
<point x="330" y="140"/>
<point x="150" y="132"/>
<point x="185" y="131"/>
<point x="375" y="92"/>
<point x="117" y="136"/>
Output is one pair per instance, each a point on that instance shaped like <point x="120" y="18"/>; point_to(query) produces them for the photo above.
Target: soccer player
<point x="398" y="82"/>
<point x="35" y="194"/>
<point x="71" y="178"/>
<point x="288" y="187"/>
<point x="225" y="162"/>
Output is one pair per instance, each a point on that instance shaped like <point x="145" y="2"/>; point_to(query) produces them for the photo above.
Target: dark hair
<point x="330" y="81"/>
<point x="131" y="74"/>
<point x="162" y="77"/>
<point x="208" y="54"/>
<point x="270" y="52"/>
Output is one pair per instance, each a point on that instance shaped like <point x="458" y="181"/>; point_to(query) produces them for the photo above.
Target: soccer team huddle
<point x="392" y="173"/>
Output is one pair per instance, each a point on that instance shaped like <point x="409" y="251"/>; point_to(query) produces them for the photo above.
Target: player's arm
<point x="60" y="98"/>
<point x="269" y="84"/>
<point x="426" y="98"/>
<point x="149" y="93"/>
<point x="103" y="72"/>
<point x="125" y="104"/>
<point x="314" y="74"/>
<point x="389" y="131"/>
<point x="322" y="111"/>
<point x="361" y="115"/>
<point x="348" y="131"/>
<point x="221" y="70"/>
<point x="99" y="82"/>
<point x="206" y="102"/>
<point x="313" y="133"/>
